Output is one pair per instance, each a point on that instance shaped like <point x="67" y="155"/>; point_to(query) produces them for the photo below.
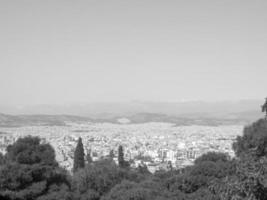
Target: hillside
<point x="38" y="120"/>
<point x="205" y="119"/>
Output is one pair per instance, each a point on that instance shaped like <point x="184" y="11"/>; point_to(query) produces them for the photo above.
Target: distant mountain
<point x="109" y="110"/>
<point x="198" y="119"/>
<point x="60" y="120"/>
<point x="181" y="113"/>
<point x="38" y="120"/>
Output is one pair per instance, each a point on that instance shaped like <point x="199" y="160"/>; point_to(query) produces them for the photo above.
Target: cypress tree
<point x="78" y="156"/>
<point x="121" y="156"/>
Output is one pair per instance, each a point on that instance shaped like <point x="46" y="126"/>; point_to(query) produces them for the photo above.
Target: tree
<point x="253" y="141"/>
<point x="2" y="159"/>
<point x="97" y="178"/>
<point x="31" y="172"/>
<point x="264" y="107"/>
<point x="146" y="190"/>
<point x="127" y="191"/>
<point x="78" y="156"/>
<point x="29" y="150"/>
<point x="249" y="180"/>
<point x="213" y="156"/>
<point x="121" y="157"/>
<point x="142" y="169"/>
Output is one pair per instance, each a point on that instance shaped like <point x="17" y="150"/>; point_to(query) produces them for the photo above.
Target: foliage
<point x="254" y="140"/>
<point x="2" y="159"/>
<point x="142" y="169"/>
<point x="213" y="157"/>
<point x="147" y="190"/>
<point x="249" y="183"/>
<point x="121" y="156"/>
<point x="78" y="162"/>
<point x="31" y="172"/>
<point x="250" y="180"/>
<point x="200" y="175"/>
<point x="101" y="176"/>
<point x="29" y="150"/>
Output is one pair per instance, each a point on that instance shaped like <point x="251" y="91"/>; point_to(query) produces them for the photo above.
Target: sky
<point x="65" y="52"/>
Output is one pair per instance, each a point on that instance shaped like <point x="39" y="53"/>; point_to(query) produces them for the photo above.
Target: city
<point x="157" y="145"/>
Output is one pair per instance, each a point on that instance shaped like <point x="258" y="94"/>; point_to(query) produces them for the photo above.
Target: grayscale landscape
<point x="133" y="100"/>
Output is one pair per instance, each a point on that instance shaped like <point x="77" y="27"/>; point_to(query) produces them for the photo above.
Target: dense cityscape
<point x="157" y="145"/>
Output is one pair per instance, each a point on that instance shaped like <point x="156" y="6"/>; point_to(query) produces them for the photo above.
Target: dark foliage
<point x="199" y="176"/>
<point x="121" y="157"/>
<point x="100" y="177"/>
<point x="213" y="157"/>
<point x="142" y="169"/>
<point x="2" y="159"/>
<point x="254" y="140"/>
<point x="78" y="162"/>
<point x="146" y="190"/>
<point x="31" y="172"/>
<point x="29" y="150"/>
<point x="249" y="181"/>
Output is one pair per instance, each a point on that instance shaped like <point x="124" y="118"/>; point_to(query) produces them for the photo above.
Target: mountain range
<point x="180" y="113"/>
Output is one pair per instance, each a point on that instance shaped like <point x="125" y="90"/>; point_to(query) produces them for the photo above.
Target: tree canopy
<point x="253" y="140"/>
<point x="31" y="172"/>
<point x="78" y="162"/>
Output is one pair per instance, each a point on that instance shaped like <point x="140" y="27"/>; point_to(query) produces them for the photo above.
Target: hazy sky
<point x="54" y="52"/>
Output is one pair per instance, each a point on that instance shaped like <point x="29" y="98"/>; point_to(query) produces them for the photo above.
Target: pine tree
<point x="121" y="156"/>
<point x="78" y="156"/>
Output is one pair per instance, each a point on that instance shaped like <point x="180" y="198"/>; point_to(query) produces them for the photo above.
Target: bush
<point x="31" y="172"/>
<point x="253" y="141"/>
